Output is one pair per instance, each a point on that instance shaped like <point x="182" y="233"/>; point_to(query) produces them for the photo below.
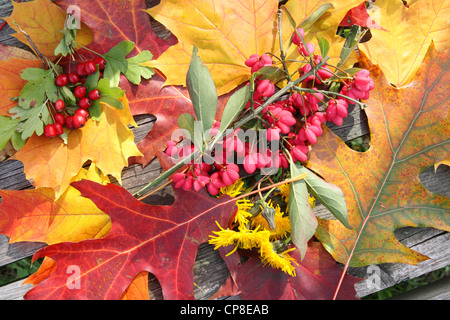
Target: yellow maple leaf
<point x="107" y="142"/>
<point x="225" y="32"/>
<point x="228" y="32"/>
<point x="43" y="21"/>
<point x="400" y="50"/>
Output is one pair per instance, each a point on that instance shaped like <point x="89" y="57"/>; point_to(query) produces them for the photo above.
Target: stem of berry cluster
<point x="187" y="159"/>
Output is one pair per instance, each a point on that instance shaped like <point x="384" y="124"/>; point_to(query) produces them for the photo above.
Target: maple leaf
<point x="212" y="27"/>
<point x="107" y="142"/>
<point x="409" y="132"/>
<point x="35" y="215"/>
<point x="42" y="21"/>
<point x="325" y="27"/>
<point x="162" y="240"/>
<point x="316" y="278"/>
<point x="12" y="62"/>
<point x="400" y="50"/>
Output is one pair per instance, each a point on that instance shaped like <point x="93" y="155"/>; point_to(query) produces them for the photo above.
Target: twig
<point x="33" y="46"/>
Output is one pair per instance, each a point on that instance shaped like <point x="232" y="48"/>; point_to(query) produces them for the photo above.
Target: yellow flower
<point x="244" y="238"/>
<point x="282" y="261"/>
<point x="284" y="191"/>
<point x="234" y="190"/>
<point x="242" y="214"/>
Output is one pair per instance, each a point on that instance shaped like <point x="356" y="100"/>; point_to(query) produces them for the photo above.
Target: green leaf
<point x="328" y="194"/>
<point x="272" y="73"/>
<point x="33" y="120"/>
<point x="67" y="42"/>
<point x="7" y="128"/>
<point x="17" y="141"/>
<point x="132" y="68"/>
<point x="91" y="82"/>
<point x="109" y="95"/>
<point x="303" y="221"/>
<point x="135" y="70"/>
<point x="186" y="121"/>
<point x="313" y="17"/>
<point x="324" y="46"/>
<point x="202" y="91"/>
<point x="33" y="74"/>
<point x="41" y="85"/>
<point x="116" y="62"/>
<point x="233" y="108"/>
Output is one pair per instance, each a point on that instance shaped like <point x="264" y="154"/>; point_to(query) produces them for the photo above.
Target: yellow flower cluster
<point x="255" y="232"/>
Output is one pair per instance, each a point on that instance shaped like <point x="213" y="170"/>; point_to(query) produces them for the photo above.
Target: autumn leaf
<point x="42" y="21"/>
<point x="359" y="16"/>
<point x="316" y="279"/>
<point x="212" y="28"/>
<point x="107" y="142"/>
<point x="35" y="214"/>
<point x="162" y="240"/>
<point x="409" y="132"/>
<point x="400" y="50"/>
<point x="12" y="62"/>
<point x="325" y="27"/>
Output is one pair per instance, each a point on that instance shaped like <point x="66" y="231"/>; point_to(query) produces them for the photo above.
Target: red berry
<point x="80" y="91"/>
<point x="58" y="128"/>
<point x="69" y="123"/>
<point x="85" y="103"/>
<point x="73" y="78"/>
<point x="82" y="112"/>
<point x="90" y="67"/>
<point x="59" y="118"/>
<point x="80" y="69"/>
<point x="59" y="105"/>
<point x="49" y="131"/>
<point x="78" y="121"/>
<point x="101" y="62"/>
<point x="95" y="94"/>
<point x="62" y="80"/>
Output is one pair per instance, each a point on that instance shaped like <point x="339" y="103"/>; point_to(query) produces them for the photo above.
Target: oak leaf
<point x="162" y="240"/>
<point x="317" y="276"/>
<point x="409" y="132"/>
<point x="35" y="214"/>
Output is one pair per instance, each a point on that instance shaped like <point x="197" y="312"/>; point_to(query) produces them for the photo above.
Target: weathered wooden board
<point x="210" y="271"/>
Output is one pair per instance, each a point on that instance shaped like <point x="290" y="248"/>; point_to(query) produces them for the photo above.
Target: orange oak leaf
<point x="409" y="132"/>
<point x="42" y="21"/>
<point x="35" y="214"/>
<point x="162" y="240"/>
<point x="107" y="142"/>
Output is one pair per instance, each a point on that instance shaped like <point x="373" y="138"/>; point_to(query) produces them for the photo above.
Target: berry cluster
<point x="65" y="113"/>
<point x="295" y="123"/>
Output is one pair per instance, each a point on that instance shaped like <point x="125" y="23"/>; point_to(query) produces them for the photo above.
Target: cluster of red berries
<point x="74" y="119"/>
<point x="296" y="123"/>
